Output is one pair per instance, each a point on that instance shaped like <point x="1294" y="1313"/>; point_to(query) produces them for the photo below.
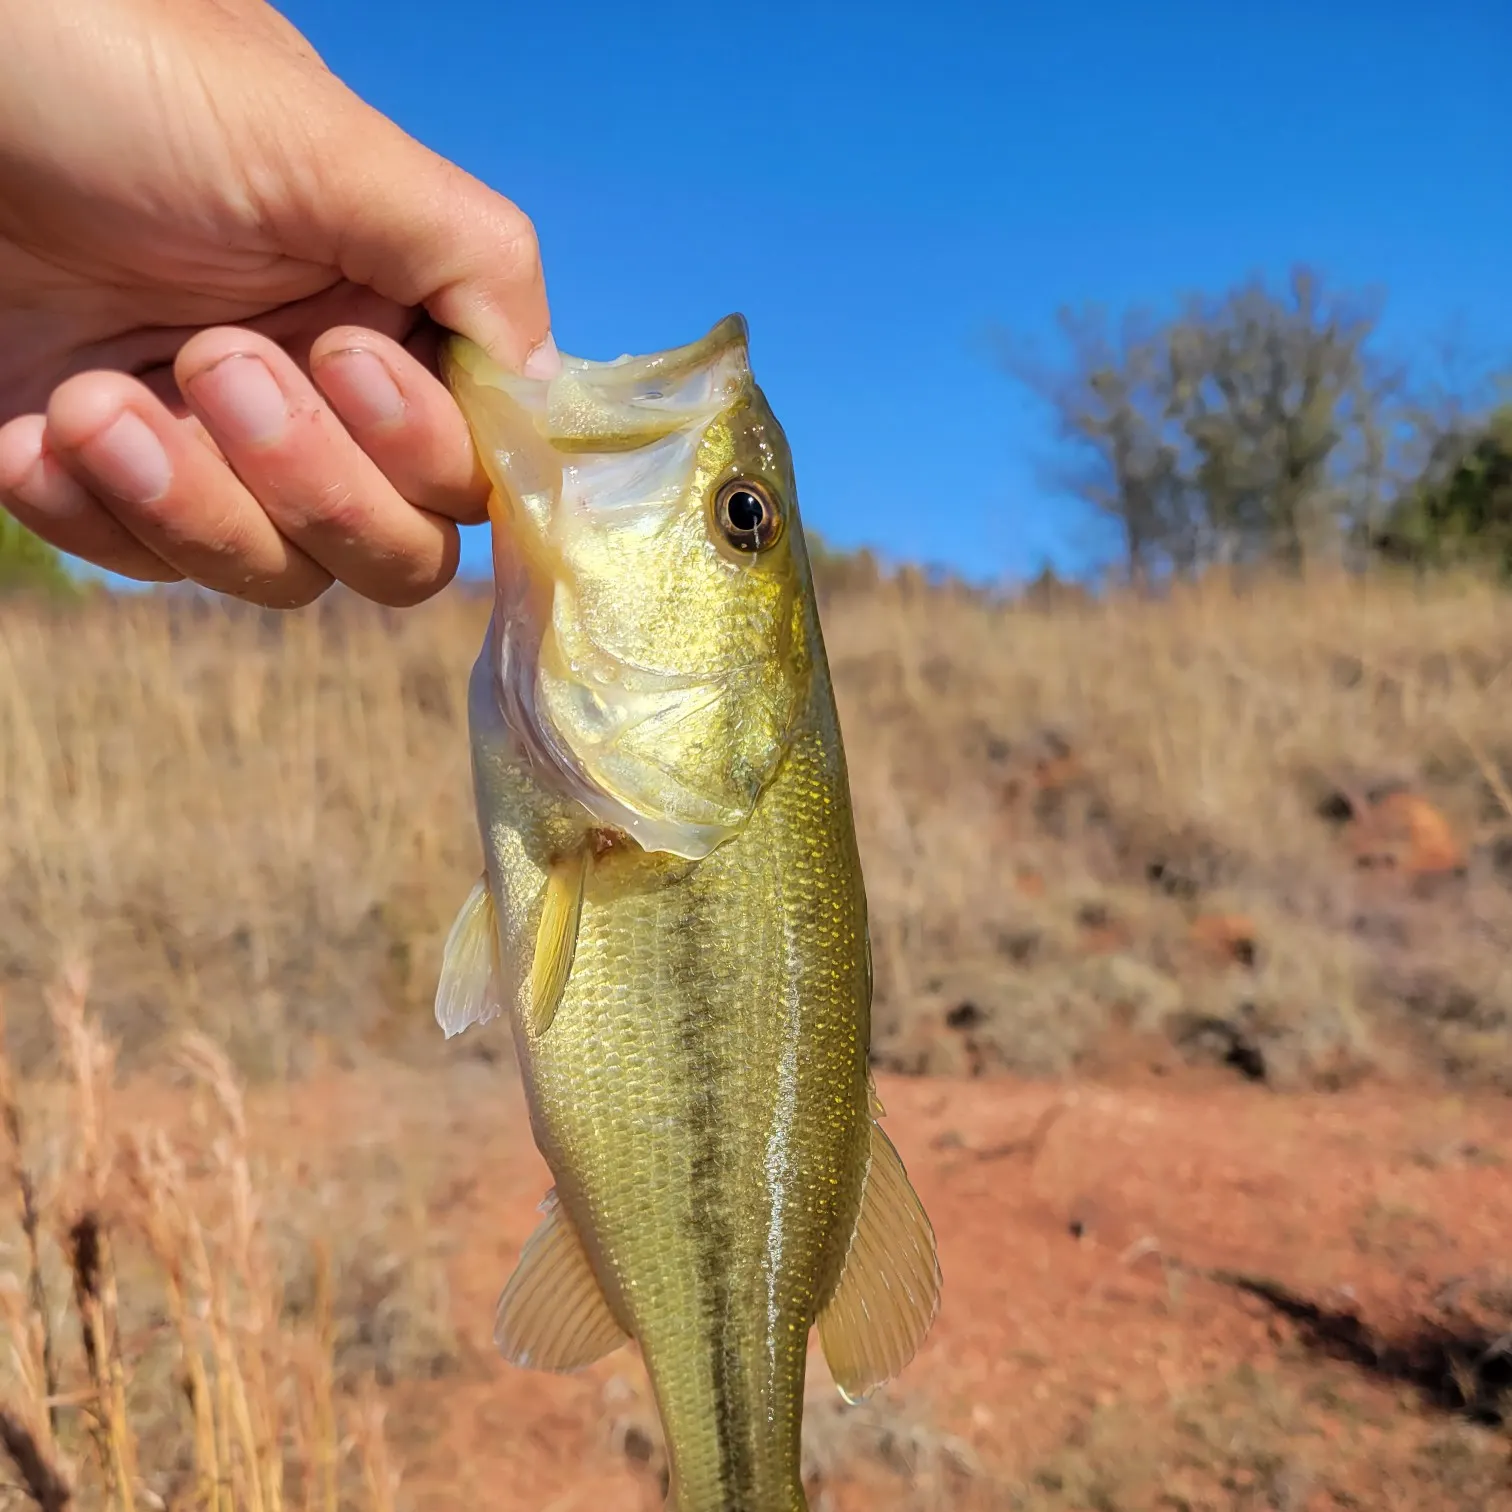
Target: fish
<point x="672" y="916"/>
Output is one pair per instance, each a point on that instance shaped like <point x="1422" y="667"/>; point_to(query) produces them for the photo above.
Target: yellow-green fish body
<point x="673" y="915"/>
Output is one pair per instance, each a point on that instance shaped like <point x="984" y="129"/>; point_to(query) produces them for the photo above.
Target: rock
<point x="1402" y="831"/>
<point x="1227" y="938"/>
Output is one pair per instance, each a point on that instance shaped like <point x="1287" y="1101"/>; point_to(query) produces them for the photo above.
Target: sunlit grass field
<point x="1264" y="826"/>
<point x="260" y="827"/>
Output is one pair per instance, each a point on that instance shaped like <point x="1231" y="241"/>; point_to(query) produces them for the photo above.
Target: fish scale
<point x="673" y="918"/>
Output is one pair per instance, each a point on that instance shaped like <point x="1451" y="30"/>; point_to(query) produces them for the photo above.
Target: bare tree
<point x="1254" y="426"/>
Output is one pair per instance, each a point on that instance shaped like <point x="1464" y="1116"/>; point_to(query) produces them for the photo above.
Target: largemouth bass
<point x="672" y="915"/>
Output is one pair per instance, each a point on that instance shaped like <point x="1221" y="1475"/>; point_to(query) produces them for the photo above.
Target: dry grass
<point x="260" y="827"/>
<point x="1275" y="1440"/>
<point x="152" y="1360"/>
<point x="1071" y="789"/>
<point x="246" y="823"/>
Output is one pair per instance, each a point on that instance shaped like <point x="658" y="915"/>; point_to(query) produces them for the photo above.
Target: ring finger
<point x="154" y="476"/>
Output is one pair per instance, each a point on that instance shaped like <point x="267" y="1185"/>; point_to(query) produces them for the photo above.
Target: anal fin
<point x="468" y="989"/>
<point x="889" y="1290"/>
<point x="552" y="1314"/>
<point x="556" y="936"/>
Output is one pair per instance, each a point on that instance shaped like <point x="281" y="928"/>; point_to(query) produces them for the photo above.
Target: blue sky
<point x="876" y="185"/>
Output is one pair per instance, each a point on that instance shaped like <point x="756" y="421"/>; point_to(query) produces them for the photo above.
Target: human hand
<point x="169" y="168"/>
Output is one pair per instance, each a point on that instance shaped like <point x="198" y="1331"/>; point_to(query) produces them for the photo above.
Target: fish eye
<point x="746" y="514"/>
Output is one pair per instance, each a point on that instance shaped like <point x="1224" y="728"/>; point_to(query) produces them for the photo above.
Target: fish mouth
<point x="607" y="407"/>
<point x="605" y="451"/>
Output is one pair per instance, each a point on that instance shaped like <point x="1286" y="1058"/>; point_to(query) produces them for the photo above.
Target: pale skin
<point x="221" y="278"/>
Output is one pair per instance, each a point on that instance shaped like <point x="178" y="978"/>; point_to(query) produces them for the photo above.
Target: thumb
<point x="403" y="221"/>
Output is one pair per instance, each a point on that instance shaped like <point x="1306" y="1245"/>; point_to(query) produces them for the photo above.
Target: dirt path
<point x="1178" y="1294"/>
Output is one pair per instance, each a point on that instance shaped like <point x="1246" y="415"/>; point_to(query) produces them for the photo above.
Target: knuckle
<point x="339" y="511"/>
<point x="405" y="590"/>
<point x="422" y="574"/>
<point x="391" y="596"/>
<point x="20" y="443"/>
<point x="83" y="405"/>
<point x="293" y="592"/>
<point x="520" y="246"/>
<point x="145" y="569"/>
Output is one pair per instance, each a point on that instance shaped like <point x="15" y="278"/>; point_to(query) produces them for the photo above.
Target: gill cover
<point x="648" y="657"/>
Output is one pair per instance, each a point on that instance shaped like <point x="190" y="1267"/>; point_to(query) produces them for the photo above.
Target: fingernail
<point x="25" y="485"/>
<point x="128" y="460"/>
<point x="366" y="391"/>
<point x="244" y="403"/>
<point x="50" y="488"/>
<point x="544" y="361"/>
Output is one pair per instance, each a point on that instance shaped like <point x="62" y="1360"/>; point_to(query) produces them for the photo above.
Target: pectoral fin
<point x="552" y="1315"/>
<point x="556" y="936"/>
<point x="468" y="991"/>
<point x="889" y="1290"/>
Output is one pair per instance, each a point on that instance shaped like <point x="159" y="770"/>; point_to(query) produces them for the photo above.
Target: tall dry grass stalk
<point x="28" y="1426"/>
<point x="252" y="1425"/>
<point x="261" y="826"/>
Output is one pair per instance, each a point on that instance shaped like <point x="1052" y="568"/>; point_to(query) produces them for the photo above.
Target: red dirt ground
<point x="1077" y="1225"/>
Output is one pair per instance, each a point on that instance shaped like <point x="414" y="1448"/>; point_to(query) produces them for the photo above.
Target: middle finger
<point x="317" y="485"/>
